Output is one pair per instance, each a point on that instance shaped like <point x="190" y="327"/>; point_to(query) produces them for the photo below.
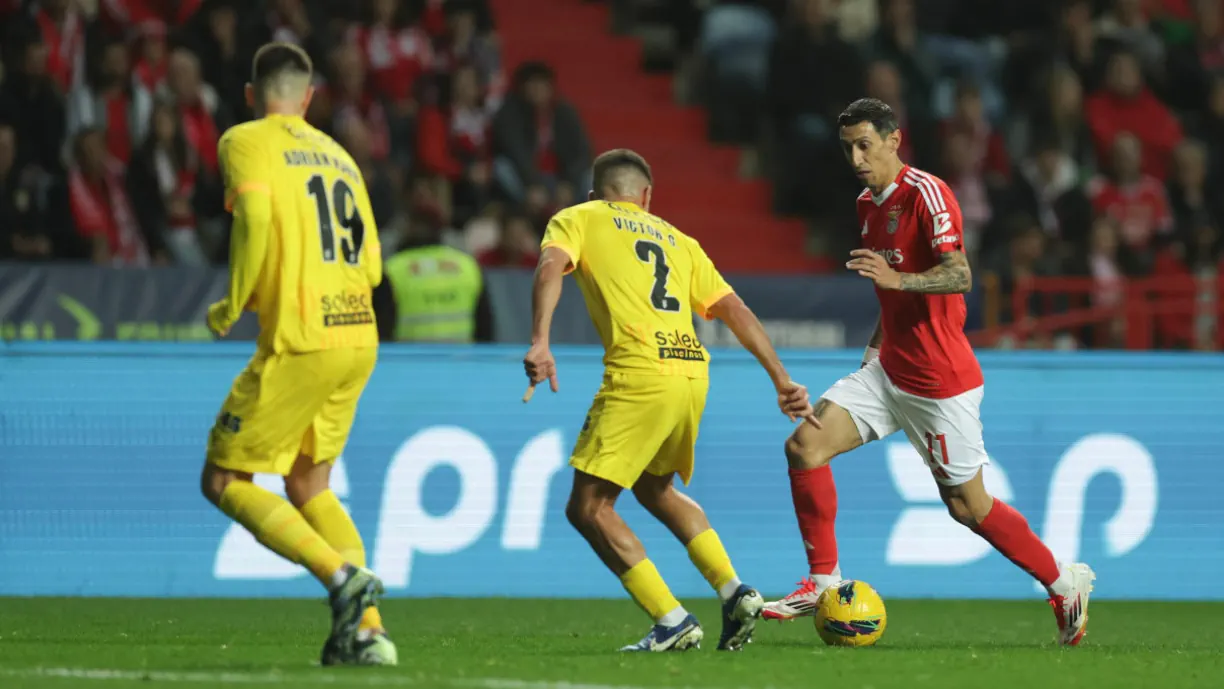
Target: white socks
<point x="673" y="618"/>
<point x="728" y="589"/>
<point x="824" y="581"/>
<point x="1062" y="586"/>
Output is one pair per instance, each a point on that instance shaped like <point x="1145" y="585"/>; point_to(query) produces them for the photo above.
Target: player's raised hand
<point x="540" y="366"/>
<point x="869" y="264"/>
<point x="795" y="403"/>
<point x="216" y="319"/>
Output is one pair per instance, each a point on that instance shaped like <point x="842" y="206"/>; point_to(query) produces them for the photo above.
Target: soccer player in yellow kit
<point x="304" y="255"/>
<point x="643" y="280"/>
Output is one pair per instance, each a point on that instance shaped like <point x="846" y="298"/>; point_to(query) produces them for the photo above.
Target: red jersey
<point x="914" y="221"/>
<point x="1141" y="209"/>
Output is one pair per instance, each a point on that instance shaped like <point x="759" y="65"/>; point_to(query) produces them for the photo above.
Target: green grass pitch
<point x="570" y="644"/>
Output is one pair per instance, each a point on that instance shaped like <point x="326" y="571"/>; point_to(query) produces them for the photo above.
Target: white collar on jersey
<point x="879" y="200"/>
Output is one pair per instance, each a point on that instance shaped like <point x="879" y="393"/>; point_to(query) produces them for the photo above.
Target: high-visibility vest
<point x="436" y="290"/>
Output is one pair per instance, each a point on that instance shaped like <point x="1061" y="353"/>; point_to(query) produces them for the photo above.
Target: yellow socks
<point x="331" y="521"/>
<point x="648" y="589"/>
<point x="279" y="526"/>
<point x="707" y="553"/>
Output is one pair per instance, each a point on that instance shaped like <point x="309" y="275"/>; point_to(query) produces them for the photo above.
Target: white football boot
<point x="801" y="603"/>
<point x="1071" y="610"/>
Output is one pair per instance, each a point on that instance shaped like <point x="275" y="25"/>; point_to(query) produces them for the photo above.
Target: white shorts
<point x="946" y="432"/>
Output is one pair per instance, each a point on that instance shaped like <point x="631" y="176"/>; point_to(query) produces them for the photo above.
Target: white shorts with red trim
<point x="947" y="433"/>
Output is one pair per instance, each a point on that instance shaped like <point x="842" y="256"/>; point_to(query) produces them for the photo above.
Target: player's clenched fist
<point x="869" y="264"/>
<point x="540" y="366"/>
<point x="793" y="400"/>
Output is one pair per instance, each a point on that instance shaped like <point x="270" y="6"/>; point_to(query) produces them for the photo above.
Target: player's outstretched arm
<point x="792" y="397"/>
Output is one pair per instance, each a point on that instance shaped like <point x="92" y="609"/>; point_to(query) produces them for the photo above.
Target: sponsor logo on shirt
<point x="943" y="223"/>
<point x="678" y="345"/>
<point x="946" y="239"/>
<point x="346" y="309"/>
<point x="893" y="256"/>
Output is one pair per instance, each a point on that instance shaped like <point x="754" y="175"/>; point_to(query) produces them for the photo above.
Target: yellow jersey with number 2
<point x="308" y="267"/>
<point x="642" y="280"/>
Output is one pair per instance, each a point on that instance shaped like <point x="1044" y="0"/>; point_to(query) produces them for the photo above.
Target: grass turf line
<point x="565" y="644"/>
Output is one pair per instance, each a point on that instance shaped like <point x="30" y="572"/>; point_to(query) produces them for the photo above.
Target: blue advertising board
<point x="459" y="488"/>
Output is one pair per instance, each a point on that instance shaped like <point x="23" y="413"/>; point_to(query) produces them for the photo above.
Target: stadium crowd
<point x="1082" y="137"/>
<point x="110" y="112"/>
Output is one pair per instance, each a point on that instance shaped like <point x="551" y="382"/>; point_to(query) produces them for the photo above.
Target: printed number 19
<point x="649" y="252"/>
<point x="343" y="208"/>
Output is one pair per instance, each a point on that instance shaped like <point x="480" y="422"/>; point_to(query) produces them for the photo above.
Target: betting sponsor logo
<point x="943" y="223"/>
<point x="946" y="239"/>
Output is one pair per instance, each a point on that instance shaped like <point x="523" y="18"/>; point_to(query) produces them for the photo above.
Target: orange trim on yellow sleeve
<point x="712" y="300"/>
<point x="568" y="252"/>
<point x="244" y="188"/>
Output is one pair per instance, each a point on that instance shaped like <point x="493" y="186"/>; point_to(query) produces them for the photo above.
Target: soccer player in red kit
<point x="919" y="375"/>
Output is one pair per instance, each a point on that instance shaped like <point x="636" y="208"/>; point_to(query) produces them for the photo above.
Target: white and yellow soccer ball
<point x="850" y="614"/>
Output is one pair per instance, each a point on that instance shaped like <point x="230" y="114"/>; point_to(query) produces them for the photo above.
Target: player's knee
<point x="583" y="514"/>
<point x="213" y="481"/>
<point x="806" y="452"/>
<point x="961" y="511"/>
<point x="306" y="481"/>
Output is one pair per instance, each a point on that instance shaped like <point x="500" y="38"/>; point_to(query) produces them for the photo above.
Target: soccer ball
<point x="850" y="614"/>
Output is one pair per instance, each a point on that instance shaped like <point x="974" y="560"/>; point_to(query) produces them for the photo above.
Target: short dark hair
<point x="275" y="59"/>
<point x="872" y="110"/>
<point x="609" y="163"/>
<point x="529" y="71"/>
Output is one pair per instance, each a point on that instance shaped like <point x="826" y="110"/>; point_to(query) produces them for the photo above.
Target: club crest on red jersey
<point x="894" y="214"/>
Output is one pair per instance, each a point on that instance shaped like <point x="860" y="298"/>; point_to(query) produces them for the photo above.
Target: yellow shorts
<point x="641" y="423"/>
<point x="283" y="405"/>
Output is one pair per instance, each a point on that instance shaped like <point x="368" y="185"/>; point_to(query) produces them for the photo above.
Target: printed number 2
<point x="650" y="252"/>
<point x="932" y="460"/>
<point x="343" y="209"/>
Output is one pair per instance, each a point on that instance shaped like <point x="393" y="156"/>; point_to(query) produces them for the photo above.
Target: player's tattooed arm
<point x="951" y="276"/>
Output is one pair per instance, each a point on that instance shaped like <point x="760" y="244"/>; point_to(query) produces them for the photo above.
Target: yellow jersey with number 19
<point x="642" y="280"/>
<point x="308" y="267"/>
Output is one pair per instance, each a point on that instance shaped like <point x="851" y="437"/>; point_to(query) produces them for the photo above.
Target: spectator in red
<point x="465" y="44"/>
<point x="118" y="16"/>
<point x="517" y="246"/>
<point x="151" y="55"/>
<point x="396" y="53"/>
<point x="30" y="100"/>
<point x="542" y="148"/>
<point x="62" y="27"/>
<point x="1127" y="105"/>
<point x="169" y="189"/>
<point x="1197" y="252"/>
<point x="101" y="211"/>
<point x="1134" y="200"/>
<point x="113" y="101"/>
<point x="453" y="141"/>
<point x="987" y="153"/>
<point x="434" y="13"/>
<point x="349" y="98"/>
<point x="198" y="106"/>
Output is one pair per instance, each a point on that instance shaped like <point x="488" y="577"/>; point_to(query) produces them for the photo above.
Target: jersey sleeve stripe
<point x="930" y="193"/>
<point x="569" y="251"/>
<point x="712" y="300"/>
<point x="243" y="188"/>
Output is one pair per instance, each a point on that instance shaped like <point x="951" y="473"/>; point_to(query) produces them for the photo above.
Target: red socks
<point x="815" y="497"/>
<point x="1009" y="532"/>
